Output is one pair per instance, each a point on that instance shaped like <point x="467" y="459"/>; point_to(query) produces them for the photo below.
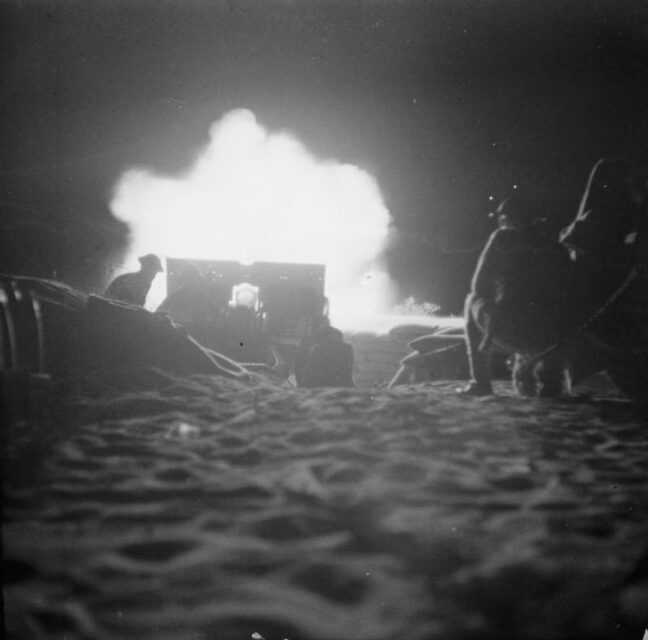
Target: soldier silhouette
<point x="134" y="287"/>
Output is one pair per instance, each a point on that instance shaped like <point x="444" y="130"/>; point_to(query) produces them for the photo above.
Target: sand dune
<point x="163" y="507"/>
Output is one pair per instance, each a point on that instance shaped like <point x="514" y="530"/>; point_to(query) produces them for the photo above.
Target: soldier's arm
<point x="488" y="268"/>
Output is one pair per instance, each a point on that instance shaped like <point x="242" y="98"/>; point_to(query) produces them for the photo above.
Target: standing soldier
<point x="608" y="243"/>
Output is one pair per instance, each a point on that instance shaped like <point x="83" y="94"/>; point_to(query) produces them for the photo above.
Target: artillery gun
<point x="256" y="313"/>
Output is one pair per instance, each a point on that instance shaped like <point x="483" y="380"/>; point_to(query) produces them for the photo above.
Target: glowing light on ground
<point x="257" y="196"/>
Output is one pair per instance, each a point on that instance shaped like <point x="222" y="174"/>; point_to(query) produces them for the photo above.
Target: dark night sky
<point x="444" y="102"/>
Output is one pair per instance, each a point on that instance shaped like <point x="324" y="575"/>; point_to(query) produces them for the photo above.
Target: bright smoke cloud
<point x="259" y="196"/>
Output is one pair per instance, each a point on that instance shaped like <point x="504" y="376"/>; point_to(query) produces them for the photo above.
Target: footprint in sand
<point x="157" y="550"/>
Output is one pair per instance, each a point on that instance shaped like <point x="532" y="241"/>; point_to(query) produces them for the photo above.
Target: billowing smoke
<point x="252" y="196"/>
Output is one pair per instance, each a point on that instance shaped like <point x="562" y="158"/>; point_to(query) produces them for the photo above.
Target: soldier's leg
<point x="478" y="360"/>
<point x="523" y="377"/>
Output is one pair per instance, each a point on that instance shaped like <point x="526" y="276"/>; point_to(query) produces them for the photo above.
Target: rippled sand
<point x="167" y="508"/>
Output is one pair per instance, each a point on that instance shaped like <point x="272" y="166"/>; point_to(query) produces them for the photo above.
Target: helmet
<point x="152" y="262"/>
<point x="518" y="209"/>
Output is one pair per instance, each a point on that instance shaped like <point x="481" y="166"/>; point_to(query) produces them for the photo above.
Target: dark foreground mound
<point x="169" y="508"/>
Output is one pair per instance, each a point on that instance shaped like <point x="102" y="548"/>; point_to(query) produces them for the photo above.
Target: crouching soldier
<point x="133" y="288"/>
<point x="323" y="358"/>
<point x="516" y="301"/>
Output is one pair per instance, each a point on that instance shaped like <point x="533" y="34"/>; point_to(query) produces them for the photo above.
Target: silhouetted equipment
<point x="52" y="332"/>
<point x="32" y="342"/>
<point x="440" y="354"/>
<point x="258" y="313"/>
<point x="21" y="344"/>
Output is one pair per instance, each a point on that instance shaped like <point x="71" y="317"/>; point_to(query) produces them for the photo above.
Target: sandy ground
<point x="168" y="508"/>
